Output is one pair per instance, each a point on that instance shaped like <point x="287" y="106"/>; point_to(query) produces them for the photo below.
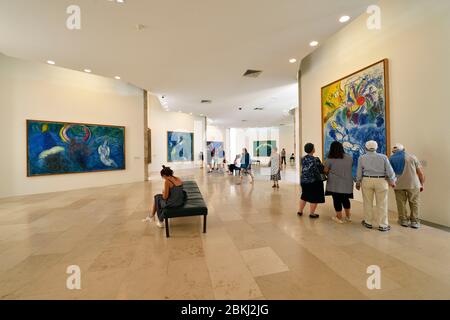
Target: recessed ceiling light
<point x="314" y="43"/>
<point x="51" y="62"/>
<point x="117" y="77"/>
<point x="292" y="60"/>
<point x="344" y="19"/>
<point x="120" y="1"/>
<point x="87" y="70"/>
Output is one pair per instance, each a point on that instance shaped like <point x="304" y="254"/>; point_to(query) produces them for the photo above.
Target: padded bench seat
<point x="194" y="206"/>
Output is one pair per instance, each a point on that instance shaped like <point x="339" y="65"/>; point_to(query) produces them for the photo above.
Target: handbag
<point x="320" y="176"/>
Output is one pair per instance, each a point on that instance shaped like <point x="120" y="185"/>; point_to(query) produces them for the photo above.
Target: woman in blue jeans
<point x="246" y="166"/>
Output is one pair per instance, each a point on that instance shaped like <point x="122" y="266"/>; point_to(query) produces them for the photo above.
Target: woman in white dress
<point x="275" y="167"/>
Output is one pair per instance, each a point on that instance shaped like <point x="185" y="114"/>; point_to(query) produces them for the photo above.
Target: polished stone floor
<point x="256" y="247"/>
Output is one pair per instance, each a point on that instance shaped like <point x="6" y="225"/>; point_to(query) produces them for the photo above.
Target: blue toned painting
<point x="59" y="147"/>
<point x="180" y="146"/>
<point x="354" y="111"/>
<point x="217" y="146"/>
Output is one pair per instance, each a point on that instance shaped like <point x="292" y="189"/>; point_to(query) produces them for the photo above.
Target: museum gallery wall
<point x="180" y="146"/>
<point x="355" y="109"/>
<point x="61" y="147"/>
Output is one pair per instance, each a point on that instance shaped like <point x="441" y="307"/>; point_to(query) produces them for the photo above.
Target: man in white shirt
<point x="374" y="175"/>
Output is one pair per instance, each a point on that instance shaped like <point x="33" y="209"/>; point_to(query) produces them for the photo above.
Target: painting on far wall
<point x="355" y="109"/>
<point x="217" y="146"/>
<point x="63" y="147"/>
<point x="263" y="148"/>
<point x="180" y="146"/>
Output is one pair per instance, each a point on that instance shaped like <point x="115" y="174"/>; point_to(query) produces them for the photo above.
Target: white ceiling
<point x="188" y="51"/>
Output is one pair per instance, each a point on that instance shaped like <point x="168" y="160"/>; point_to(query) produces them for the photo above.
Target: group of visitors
<point x="375" y="173"/>
<point x="215" y="159"/>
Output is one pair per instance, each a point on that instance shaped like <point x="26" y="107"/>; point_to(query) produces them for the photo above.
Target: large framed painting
<point x="64" y="147"/>
<point x="217" y="146"/>
<point x="263" y="148"/>
<point x="180" y="146"/>
<point x="355" y="109"/>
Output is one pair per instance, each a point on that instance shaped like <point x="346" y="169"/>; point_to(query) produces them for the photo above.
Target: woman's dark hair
<point x="309" y="147"/>
<point x="245" y="150"/>
<point x="336" y="151"/>
<point x="166" y="172"/>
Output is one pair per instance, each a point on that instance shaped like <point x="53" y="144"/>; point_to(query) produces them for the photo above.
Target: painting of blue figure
<point x="180" y="146"/>
<point x="62" y="147"/>
<point x="355" y="110"/>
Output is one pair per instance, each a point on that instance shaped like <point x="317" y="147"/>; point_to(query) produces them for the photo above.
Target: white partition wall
<point x="38" y="91"/>
<point x="160" y="122"/>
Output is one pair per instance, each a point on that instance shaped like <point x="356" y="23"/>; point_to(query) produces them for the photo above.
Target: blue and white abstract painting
<point x="180" y="146"/>
<point x="61" y="147"/>
<point x="355" y="110"/>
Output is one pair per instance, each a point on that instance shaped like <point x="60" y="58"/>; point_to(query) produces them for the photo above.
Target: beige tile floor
<point x="256" y="247"/>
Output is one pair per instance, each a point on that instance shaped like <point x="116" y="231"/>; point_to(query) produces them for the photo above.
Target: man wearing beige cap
<point x="410" y="181"/>
<point x="374" y="175"/>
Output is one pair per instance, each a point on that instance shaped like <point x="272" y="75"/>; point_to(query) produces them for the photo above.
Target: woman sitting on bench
<point x="234" y="166"/>
<point x="173" y="196"/>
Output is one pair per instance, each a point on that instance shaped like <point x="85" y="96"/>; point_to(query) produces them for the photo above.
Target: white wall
<point x="160" y="122"/>
<point x="415" y="37"/>
<point x="287" y="139"/>
<point x="42" y="92"/>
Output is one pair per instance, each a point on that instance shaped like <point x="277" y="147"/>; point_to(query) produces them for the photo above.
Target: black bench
<point x="194" y="206"/>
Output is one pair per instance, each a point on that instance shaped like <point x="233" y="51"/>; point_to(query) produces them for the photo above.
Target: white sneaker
<point x="159" y="224"/>
<point x="149" y="218"/>
<point x="348" y="219"/>
<point x="336" y="219"/>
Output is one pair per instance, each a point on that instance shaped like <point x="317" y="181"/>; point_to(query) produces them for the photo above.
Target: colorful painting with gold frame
<point x="355" y="109"/>
<point x="64" y="147"/>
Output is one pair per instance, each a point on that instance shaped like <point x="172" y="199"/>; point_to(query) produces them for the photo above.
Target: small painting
<point x="180" y="146"/>
<point x="263" y="148"/>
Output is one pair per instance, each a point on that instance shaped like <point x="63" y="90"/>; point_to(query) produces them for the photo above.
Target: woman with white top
<point x="275" y="167"/>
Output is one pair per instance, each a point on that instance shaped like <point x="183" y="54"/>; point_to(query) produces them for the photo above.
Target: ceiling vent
<point x="244" y="120"/>
<point x="259" y="109"/>
<point x="252" y="73"/>
<point x="206" y="101"/>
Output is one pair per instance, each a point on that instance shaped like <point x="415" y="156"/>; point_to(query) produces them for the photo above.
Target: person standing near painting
<point x="209" y="159"/>
<point x="275" y="167"/>
<point x="338" y="167"/>
<point x="410" y="181"/>
<point x="374" y="175"/>
<point x="283" y="157"/>
<point x="311" y="182"/>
